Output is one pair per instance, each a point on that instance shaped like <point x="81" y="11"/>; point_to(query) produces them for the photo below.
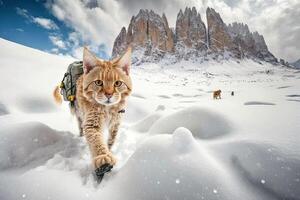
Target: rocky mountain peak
<point x="165" y="20"/>
<point x="190" y="32"/>
<point x="143" y="14"/>
<point x="152" y="39"/>
<point x="180" y="14"/>
<point x="120" y="43"/>
<point x="213" y="15"/>
<point x="238" y="29"/>
<point x="147" y="32"/>
<point x="219" y="38"/>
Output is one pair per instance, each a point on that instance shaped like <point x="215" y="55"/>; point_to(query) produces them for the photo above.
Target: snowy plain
<point x="175" y="142"/>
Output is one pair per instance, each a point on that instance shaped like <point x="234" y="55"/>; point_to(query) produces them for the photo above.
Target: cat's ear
<point x="124" y="62"/>
<point x="89" y="60"/>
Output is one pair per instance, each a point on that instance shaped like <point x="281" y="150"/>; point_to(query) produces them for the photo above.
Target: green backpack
<point x="68" y="84"/>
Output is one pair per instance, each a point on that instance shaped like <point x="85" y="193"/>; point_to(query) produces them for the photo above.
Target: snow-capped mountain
<point x="152" y="39"/>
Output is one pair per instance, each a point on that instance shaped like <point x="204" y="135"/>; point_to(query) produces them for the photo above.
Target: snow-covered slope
<point x="296" y="64"/>
<point x="176" y="142"/>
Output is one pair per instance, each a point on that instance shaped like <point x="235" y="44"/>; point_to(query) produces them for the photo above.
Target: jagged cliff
<point x="147" y="33"/>
<point x="152" y="39"/>
<point x="219" y="39"/>
<point x="190" y="33"/>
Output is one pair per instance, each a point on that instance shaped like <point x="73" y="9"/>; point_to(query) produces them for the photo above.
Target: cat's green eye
<point x="118" y="83"/>
<point x="98" y="82"/>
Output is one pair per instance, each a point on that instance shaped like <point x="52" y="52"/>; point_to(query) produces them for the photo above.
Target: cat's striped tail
<point x="57" y="95"/>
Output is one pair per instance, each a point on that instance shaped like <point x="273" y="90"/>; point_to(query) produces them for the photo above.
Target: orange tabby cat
<point x="100" y="97"/>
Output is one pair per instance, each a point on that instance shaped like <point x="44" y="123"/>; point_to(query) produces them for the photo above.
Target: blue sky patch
<point x="30" y="23"/>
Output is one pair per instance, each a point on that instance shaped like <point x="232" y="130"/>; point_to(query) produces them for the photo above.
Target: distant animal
<point x="101" y="93"/>
<point x="232" y="93"/>
<point x="217" y="94"/>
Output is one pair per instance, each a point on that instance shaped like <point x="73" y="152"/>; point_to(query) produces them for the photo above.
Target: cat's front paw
<point x="103" y="159"/>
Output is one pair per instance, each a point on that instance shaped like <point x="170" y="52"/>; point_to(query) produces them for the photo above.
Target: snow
<point x="175" y="141"/>
<point x="258" y="103"/>
<point x="196" y="119"/>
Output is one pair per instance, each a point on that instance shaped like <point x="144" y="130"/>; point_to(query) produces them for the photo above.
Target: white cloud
<point x="57" y="41"/>
<point x="99" y="21"/>
<point x="74" y="43"/>
<point x="74" y="39"/>
<point x="96" y="26"/>
<point x="54" y="50"/>
<point x="77" y="53"/>
<point x="20" y="30"/>
<point x="45" y="23"/>
<point x="23" y="12"/>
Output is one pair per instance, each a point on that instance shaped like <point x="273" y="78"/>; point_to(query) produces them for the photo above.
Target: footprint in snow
<point x="296" y="100"/>
<point x="187" y="101"/>
<point x="283" y="87"/>
<point x="164" y="96"/>
<point x="293" y="95"/>
<point x="138" y="96"/>
<point x="250" y="103"/>
<point x="187" y="96"/>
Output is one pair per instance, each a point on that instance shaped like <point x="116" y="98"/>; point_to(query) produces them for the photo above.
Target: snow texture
<point x="175" y="141"/>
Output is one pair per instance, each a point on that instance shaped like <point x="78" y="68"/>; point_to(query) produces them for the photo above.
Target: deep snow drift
<point x="175" y="142"/>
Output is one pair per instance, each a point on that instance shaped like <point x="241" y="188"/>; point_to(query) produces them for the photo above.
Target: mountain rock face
<point x="219" y="39"/>
<point x="153" y="40"/>
<point x="242" y="37"/>
<point x="190" y="32"/>
<point x="250" y="45"/>
<point x="120" y="43"/>
<point x="147" y="32"/>
<point x="296" y="64"/>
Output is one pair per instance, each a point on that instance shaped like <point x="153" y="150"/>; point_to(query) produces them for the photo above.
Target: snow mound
<point x="183" y="140"/>
<point x="35" y="105"/>
<point x="145" y="124"/>
<point x="203" y="123"/>
<point x="135" y="109"/>
<point x="31" y="144"/>
<point x="264" y="168"/>
<point x="164" y="167"/>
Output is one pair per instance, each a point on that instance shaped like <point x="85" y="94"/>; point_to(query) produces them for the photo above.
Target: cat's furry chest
<point x="109" y="111"/>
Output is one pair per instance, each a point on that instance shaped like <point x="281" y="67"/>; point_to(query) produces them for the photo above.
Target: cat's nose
<point x="108" y="95"/>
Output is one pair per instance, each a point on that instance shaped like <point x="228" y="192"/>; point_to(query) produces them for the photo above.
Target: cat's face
<point x="106" y="82"/>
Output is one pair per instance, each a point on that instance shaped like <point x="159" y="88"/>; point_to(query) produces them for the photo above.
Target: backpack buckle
<point x="71" y="97"/>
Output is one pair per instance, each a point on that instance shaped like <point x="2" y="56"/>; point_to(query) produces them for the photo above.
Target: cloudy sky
<point x="63" y="26"/>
